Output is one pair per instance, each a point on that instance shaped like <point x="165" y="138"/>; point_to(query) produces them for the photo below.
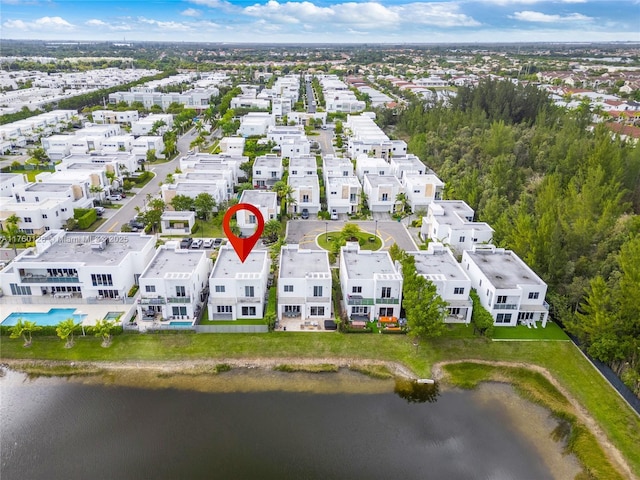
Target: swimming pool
<point x="113" y="315"/>
<point x="180" y="324"/>
<point x="53" y="317"/>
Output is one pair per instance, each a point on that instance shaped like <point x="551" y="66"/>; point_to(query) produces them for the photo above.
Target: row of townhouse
<point x="338" y="97"/>
<point x="29" y="130"/>
<point x="197" y="98"/>
<point x="365" y="137"/>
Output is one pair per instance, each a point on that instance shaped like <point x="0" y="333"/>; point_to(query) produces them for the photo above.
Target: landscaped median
<point x="561" y="359"/>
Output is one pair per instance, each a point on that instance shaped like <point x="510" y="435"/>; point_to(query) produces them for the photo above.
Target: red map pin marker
<point x="243" y="246"/>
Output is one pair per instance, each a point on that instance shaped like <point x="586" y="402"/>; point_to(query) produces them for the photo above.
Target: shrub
<point x="132" y="291"/>
<point x="85" y="217"/>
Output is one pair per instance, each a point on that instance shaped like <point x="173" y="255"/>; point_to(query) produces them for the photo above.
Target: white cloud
<point x="539" y="17"/>
<point x="51" y="23"/>
<point x="94" y="22"/>
<point x="191" y="12"/>
<point x="367" y="14"/>
<point x="221" y="4"/>
<point x="531" y="2"/>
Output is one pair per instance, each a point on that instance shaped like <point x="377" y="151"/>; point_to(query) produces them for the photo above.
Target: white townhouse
<point x="57" y="146"/>
<point x="141" y="145"/>
<point x="438" y="265"/>
<point x="451" y="222"/>
<point x="302" y="166"/>
<point x="267" y="204"/>
<point x="197" y="99"/>
<point x="117" y="143"/>
<point x="336" y="167"/>
<point x="206" y="162"/>
<point x="85" y="265"/>
<point x="144" y="126"/>
<point x="306" y="193"/>
<point x="381" y="192"/>
<point x="255" y="123"/>
<point x="422" y="190"/>
<point x="294" y="147"/>
<point x="267" y="170"/>
<point x="278" y="133"/>
<point x="119" y="163"/>
<point x="371" y="165"/>
<point x="173" y="286"/>
<point x="8" y="181"/>
<point x="343" y="194"/>
<point x="111" y="116"/>
<point x="238" y="289"/>
<point x="408" y="165"/>
<point x="507" y="287"/>
<point x="249" y="100"/>
<point x="365" y="137"/>
<point x="193" y="188"/>
<point x="304" y="284"/>
<point x="371" y="283"/>
<point x="232" y="145"/>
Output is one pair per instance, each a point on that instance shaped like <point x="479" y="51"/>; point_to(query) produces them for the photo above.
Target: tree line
<point x="560" y="192"/>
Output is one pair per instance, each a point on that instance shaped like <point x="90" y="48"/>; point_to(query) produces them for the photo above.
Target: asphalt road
<point x="324" y="140"/>
<point x="115" y="219"/>
<point x="304" y="232"/>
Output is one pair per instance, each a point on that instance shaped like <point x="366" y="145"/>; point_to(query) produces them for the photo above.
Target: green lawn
<point x="551" y="332"/>
<point x="562" y="359"/>
<point x="208" y="230"/>
<point x="31" y="174"/>
<point x="232" y="322"/>
<point x="363" y="240"/>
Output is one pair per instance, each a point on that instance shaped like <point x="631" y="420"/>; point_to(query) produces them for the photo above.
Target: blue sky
<point x="323" y="20"/>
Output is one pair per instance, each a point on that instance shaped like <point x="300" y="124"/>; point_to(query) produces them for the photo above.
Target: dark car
<point x="217" y="242"/>
<point x="136" y="225"/>
<point x="186" y="242"/>
<point x="305" y="213"/>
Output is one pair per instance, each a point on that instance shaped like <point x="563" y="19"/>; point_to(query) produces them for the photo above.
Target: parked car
<point x="334" y="214"/>
<point x="186" y="242"/>
<point x="217" y="242"/>
<point x="136" y="224"/>
<point x="197" y="243"/>
<point x="305" y="213"/>
<point x="99" y="211"/>
<point x="208" y="243"/>
<point x="114" y="197"/>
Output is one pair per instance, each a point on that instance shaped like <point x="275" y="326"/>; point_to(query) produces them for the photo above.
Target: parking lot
<point x="304" y="232"/>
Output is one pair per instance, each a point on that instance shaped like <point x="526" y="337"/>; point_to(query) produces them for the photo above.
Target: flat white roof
<point x="169" y="263"/>
<point x="303" y="263"/>
<point x="504" y="269"/>
<point x="228" y="264"/>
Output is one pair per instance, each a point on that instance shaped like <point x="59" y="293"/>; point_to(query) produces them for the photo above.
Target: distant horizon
<point x="324" y="21"/>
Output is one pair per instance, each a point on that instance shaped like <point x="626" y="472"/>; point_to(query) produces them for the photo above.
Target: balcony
<point x="178" y="299"/>
<point x="505" y="306"/>
<point x="249" y="299"/>
<point x="358" y="300"/>
<point x="152" y="301"/>
<point x="318" y="299"/>
<point x="388" y="301"/>
<point x="29" y="278"/>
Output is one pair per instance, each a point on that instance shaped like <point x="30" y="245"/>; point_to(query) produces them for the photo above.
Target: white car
<point x="334" y="214"/>
<point x="197" y="243"/>
<point x="208" y="243"/>
<point x="115" y="197"/>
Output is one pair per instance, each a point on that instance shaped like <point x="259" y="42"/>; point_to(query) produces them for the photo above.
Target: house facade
<point x="371" y="283"/>
<point x="382" y="192"/>
<point x="507" y="287"/>
<point x="304" y="284"/>
<point x="238" y="289"/>
<point x="267" y="204"/>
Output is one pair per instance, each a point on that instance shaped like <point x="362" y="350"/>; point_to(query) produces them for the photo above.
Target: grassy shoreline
<point x="561" y="359"/>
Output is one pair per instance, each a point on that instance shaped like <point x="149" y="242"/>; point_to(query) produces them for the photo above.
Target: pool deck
<point x="92" y="312"/>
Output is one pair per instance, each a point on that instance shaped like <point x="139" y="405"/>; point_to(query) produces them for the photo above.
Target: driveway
<point x="304" y="232"/>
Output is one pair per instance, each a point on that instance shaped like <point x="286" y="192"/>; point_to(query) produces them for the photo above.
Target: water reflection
<point x="414" y="392"/>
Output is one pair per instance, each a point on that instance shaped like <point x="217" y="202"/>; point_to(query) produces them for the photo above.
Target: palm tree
<point x="103" y="328"/>
<point x="24" y="329"/>
<point x="10" y="231"/>
<point x="65" y="331"/>
<point x="96" y="191"/>
<point x="401" y="199"/>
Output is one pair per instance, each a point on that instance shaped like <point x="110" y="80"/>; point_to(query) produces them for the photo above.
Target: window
<point x="248" y="291"/>
<point x="27" y="219"/>
<point x="305" y="198"/>
<point x="381" y="172"/>
<point x="525" y="316"/>
<point x="248" y="311"/>
<point x="252" y="219"/>
<point x="317" y="290"/>
<point x="334" y="193"/>
<point x="359" y="310"/>
<point x="19" y="290"/>
<point x="102" y="279"/>
<point x="386" y="292"/>
<point x="503" y="318"/>
<point x="274" y="174"/>
<point x="385" y="197"/>
<point x="219" y="288"/>
<point x="44" y="215"/>
<point x="461" y="239"/>
<point x="458" y="291"/>
<point x="386" y="312"/>
<point x="352" y="197"/>
<point x="356" y="290"/>
<point x="345" y="173"/>
<point x="294" y="172"/>
<point x="288" y="288"/>
<point x="224" y="309"/>
<point x="416" y="190"/>
<point x="150" y="288"/>
<point x="258" y="172"/>
<point x="501" y="299"/>
<point x="317" y="311"/>
<point x="533" y="295"/>
<point x="454" y="311"/>
<point x="181" y="291"/>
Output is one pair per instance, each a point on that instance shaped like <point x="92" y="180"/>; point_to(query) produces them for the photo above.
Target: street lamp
<point x="326" y="232"/>
<point x="376" y="230"/>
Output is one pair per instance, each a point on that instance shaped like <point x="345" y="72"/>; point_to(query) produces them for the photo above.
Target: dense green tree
<point x="182" y="203"/>
<point x="65" y="330"/>
<point x="204" y="203"/>
<point x="24" y="329"/>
